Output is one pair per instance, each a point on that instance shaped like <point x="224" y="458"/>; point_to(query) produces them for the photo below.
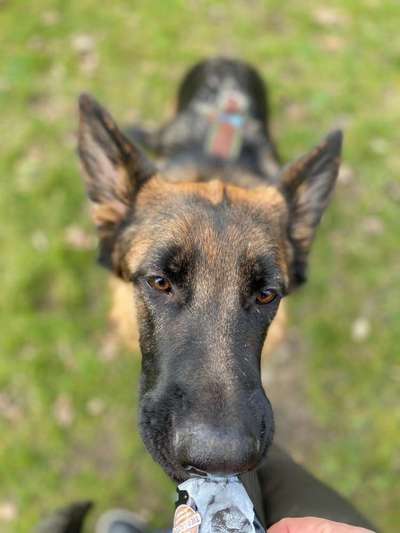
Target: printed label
<point x="186" y="520"/>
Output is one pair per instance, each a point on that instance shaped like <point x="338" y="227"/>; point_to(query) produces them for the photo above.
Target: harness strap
<point x="252" y="485"/>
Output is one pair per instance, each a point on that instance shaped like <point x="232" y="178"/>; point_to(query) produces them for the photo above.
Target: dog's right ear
<point x="114" y="168"/>
<point x="308" y="184"/>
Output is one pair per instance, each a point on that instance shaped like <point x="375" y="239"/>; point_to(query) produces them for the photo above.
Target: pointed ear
<point x="307" y="184"/>
<point x="114" y="170"/>
<point x="114" y="167"/>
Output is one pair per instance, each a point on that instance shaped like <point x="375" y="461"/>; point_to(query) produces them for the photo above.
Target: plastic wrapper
<point x="214" y="505"/>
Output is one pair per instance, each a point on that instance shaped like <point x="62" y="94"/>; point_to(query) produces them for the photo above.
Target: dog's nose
<point x="215" y="450"/>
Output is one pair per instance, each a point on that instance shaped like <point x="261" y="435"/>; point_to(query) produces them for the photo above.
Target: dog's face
<point x="209" y="263"/>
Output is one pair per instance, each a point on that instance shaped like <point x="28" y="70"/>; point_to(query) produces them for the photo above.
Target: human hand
<point x="313" y="525"/>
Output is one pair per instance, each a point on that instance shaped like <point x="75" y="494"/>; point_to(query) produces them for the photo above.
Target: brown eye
<point x="266" y="296"/>
<point x="159" y="283"/>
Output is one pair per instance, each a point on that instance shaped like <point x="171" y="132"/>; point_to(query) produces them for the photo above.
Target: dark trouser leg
<point x="288" y="490"/>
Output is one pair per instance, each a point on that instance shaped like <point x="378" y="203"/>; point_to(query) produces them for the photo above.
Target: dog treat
<point x="214" y="505"/>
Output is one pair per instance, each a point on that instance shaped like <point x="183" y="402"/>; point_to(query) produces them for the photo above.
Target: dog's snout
<point x="215" y="450"/>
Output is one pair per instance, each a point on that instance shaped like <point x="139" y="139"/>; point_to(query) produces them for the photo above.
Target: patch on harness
<point x="227" y="122"/>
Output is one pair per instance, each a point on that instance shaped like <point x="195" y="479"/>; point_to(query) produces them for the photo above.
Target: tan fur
<point x="123" y="313"/>
<point x="159" y="188"/>
<point x="123" y="318"/>
<point x="106" y="213"/>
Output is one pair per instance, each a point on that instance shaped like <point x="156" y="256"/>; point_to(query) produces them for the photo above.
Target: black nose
<point x="217" y="450"/>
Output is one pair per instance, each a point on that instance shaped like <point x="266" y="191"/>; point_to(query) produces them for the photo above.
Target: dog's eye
<point x="266" y="296"/>
<point x="159" y="283"/>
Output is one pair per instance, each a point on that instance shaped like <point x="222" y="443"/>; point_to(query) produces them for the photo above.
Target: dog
<point x="207" y="244"/>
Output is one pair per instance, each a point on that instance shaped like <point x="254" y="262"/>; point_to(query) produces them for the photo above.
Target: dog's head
<point x="209" y="263"/>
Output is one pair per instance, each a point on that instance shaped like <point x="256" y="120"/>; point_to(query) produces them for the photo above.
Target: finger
<point x="314" y="525"/>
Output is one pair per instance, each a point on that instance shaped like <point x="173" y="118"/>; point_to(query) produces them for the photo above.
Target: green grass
<point x="67" y="395"/>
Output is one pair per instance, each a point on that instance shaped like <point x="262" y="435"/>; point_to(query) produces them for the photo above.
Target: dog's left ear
<point x="307" y="184"/>
<point x="114" y="169"/>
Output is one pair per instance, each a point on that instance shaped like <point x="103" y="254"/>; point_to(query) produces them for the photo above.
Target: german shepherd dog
<point x="208" y="244"/>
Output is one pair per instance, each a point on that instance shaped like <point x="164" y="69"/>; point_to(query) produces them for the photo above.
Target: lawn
<point x="68" y="392"/>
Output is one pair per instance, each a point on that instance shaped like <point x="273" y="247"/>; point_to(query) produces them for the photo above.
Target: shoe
<point x="119" y="521"/>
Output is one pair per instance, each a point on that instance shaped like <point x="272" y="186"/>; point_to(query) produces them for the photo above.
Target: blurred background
<point x="68" y="391"/>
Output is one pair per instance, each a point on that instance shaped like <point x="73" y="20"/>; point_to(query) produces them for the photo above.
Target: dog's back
<point x="220" y="126"/>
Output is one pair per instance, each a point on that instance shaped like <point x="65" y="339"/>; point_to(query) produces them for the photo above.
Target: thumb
<point x="314" y="525"/>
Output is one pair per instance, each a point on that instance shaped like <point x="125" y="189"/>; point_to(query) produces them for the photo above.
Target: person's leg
<point x="69" y="519"/>
<point x="289" y="490"/>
